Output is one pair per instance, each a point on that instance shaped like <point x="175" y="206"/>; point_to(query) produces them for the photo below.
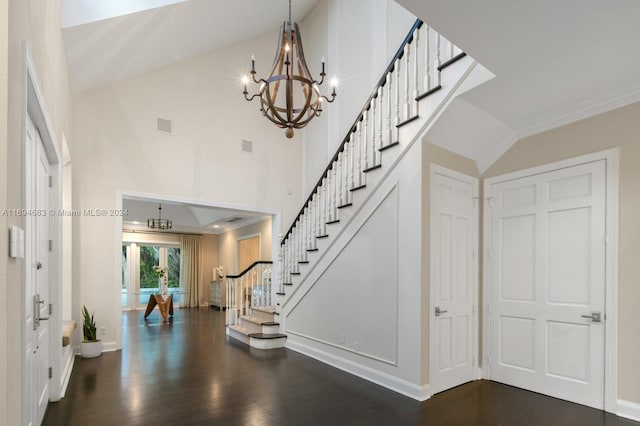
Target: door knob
<point x="439" y="311"/>
<point x="594" y="317"/>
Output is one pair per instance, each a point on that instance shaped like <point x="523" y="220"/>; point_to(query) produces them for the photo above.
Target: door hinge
<point x="50" y="181"/>
<point x="490" y="201"/>
<point x="50" y="309"/>
<point x="50" y="372"/>
<point x="50" y="245"/>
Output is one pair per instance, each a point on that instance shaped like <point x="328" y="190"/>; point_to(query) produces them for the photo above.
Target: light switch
<point x="16" y="238"/>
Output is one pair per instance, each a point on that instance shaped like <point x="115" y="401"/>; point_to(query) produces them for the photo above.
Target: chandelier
<point x="290" y="97"/>
<point x="159" y="223"/>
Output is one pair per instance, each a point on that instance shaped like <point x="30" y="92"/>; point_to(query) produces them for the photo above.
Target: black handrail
<point x="257" y="262"/>
<point x="383" y="80"/>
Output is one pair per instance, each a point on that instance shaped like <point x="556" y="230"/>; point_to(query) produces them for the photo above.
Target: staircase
<point x="423" y="78"/>
<point x="250" y="317"/>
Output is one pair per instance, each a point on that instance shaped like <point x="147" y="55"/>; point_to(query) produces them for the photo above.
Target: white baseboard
<point x="420" y="393"/>
<point x="628" y="410"/>
<point x="69" y="359"/>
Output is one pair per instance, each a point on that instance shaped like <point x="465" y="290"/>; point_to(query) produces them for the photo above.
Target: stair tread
<point x="391" y="145"/>
<point x="428" y="92"/>
<point x="372" y="168"/>
<point x="267" y="335"/>
<point x="408" y="120"/>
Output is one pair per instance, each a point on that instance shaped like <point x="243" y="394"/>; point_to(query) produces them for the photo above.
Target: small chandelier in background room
<point x="159" y="223"/>
<point x="290" y="97"/>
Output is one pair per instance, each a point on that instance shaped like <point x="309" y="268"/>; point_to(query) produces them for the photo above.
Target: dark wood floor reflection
<point x="187" y="373"/>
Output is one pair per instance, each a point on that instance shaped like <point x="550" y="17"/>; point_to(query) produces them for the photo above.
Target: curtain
<point x="190" y="268"/>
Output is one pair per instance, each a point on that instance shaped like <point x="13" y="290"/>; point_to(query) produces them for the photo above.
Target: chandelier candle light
<point x="289" y="97"/>
<point x="159" y="223"/>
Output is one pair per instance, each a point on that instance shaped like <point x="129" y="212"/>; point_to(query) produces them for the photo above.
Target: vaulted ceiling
<point x="554" y="62"/>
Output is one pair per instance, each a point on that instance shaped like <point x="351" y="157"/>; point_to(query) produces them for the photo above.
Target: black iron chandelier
<point x="159" y="223"/>
<point x="290" y="97"/>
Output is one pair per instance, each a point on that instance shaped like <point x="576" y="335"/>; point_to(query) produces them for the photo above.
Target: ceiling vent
<point x="164" y="126"/>
<point x="233" y="219"/>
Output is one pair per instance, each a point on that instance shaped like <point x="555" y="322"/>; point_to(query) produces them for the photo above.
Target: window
<point x="139" y="278"/>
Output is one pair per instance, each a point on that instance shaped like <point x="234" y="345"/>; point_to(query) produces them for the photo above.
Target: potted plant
<point x="90" y="347"/>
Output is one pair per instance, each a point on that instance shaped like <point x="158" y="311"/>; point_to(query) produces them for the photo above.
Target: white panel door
<point x="42" y="278"/>
<point x="547" y="261"/>
<point x="453" y="279"/>
<point x="37" y="291"/>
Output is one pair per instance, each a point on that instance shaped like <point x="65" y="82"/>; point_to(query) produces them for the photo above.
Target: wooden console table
<point x="165" y="305"/>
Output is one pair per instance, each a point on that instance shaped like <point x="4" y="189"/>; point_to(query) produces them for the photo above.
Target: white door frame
<point x="610" y="157"/>
<point x="433" y="346"/>
<point x="34" y="106"/>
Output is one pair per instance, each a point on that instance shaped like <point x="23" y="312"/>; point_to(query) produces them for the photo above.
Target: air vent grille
<point x="164" y="126"/>
<point x="233" y="219"/>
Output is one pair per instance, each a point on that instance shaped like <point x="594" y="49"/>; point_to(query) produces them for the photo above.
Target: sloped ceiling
<point x="106" y="40"/>
<point x="555" y="62"/>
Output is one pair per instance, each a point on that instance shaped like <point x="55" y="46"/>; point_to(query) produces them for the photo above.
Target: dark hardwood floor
<point x="187" y="373"/>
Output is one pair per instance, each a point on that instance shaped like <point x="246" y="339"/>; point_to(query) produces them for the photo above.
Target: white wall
<point x="358" y="38"/>
<point x="359" y="306"/>
<point x="4" y="278"/>
<point x="117" y="150"/>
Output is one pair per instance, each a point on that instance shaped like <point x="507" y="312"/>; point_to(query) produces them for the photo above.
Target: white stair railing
<point x="413" y="74"/>
<point x="251" y="288"/>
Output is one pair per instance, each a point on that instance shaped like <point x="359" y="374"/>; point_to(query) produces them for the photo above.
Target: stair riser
<point x="238" y="336"/>
<point x="270" y="329"/>
<point x="263" y="315"/>
<point x="252" y="327"/>
<point x="268" y="343"/>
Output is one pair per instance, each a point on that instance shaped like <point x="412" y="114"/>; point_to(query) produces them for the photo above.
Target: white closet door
<point x="548" y="282"/>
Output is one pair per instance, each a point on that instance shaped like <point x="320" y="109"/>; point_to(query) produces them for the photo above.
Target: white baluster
<point x="304" y="228"/>
<point x="325" y="206"/>
<point x="416" y="72"/>
<point x="246" y="294"/>
<point x="438" y="58"/>
<point x="389" y="84"/>
<point x="329" y="196"/>
<point x="359" y="144"/>
<point x="397" y="122"/>
<point x="339" y="180"/>
<point x="380" y="120"/>
<point x="352" y="151"/>
<point x="345" y="173"/>
<point x="334" y="199"/>
<point x="365" y="139"/>
<point x="407" y="82"/>
<point x="373" y="132"/>
<point x="427" y="59"/>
